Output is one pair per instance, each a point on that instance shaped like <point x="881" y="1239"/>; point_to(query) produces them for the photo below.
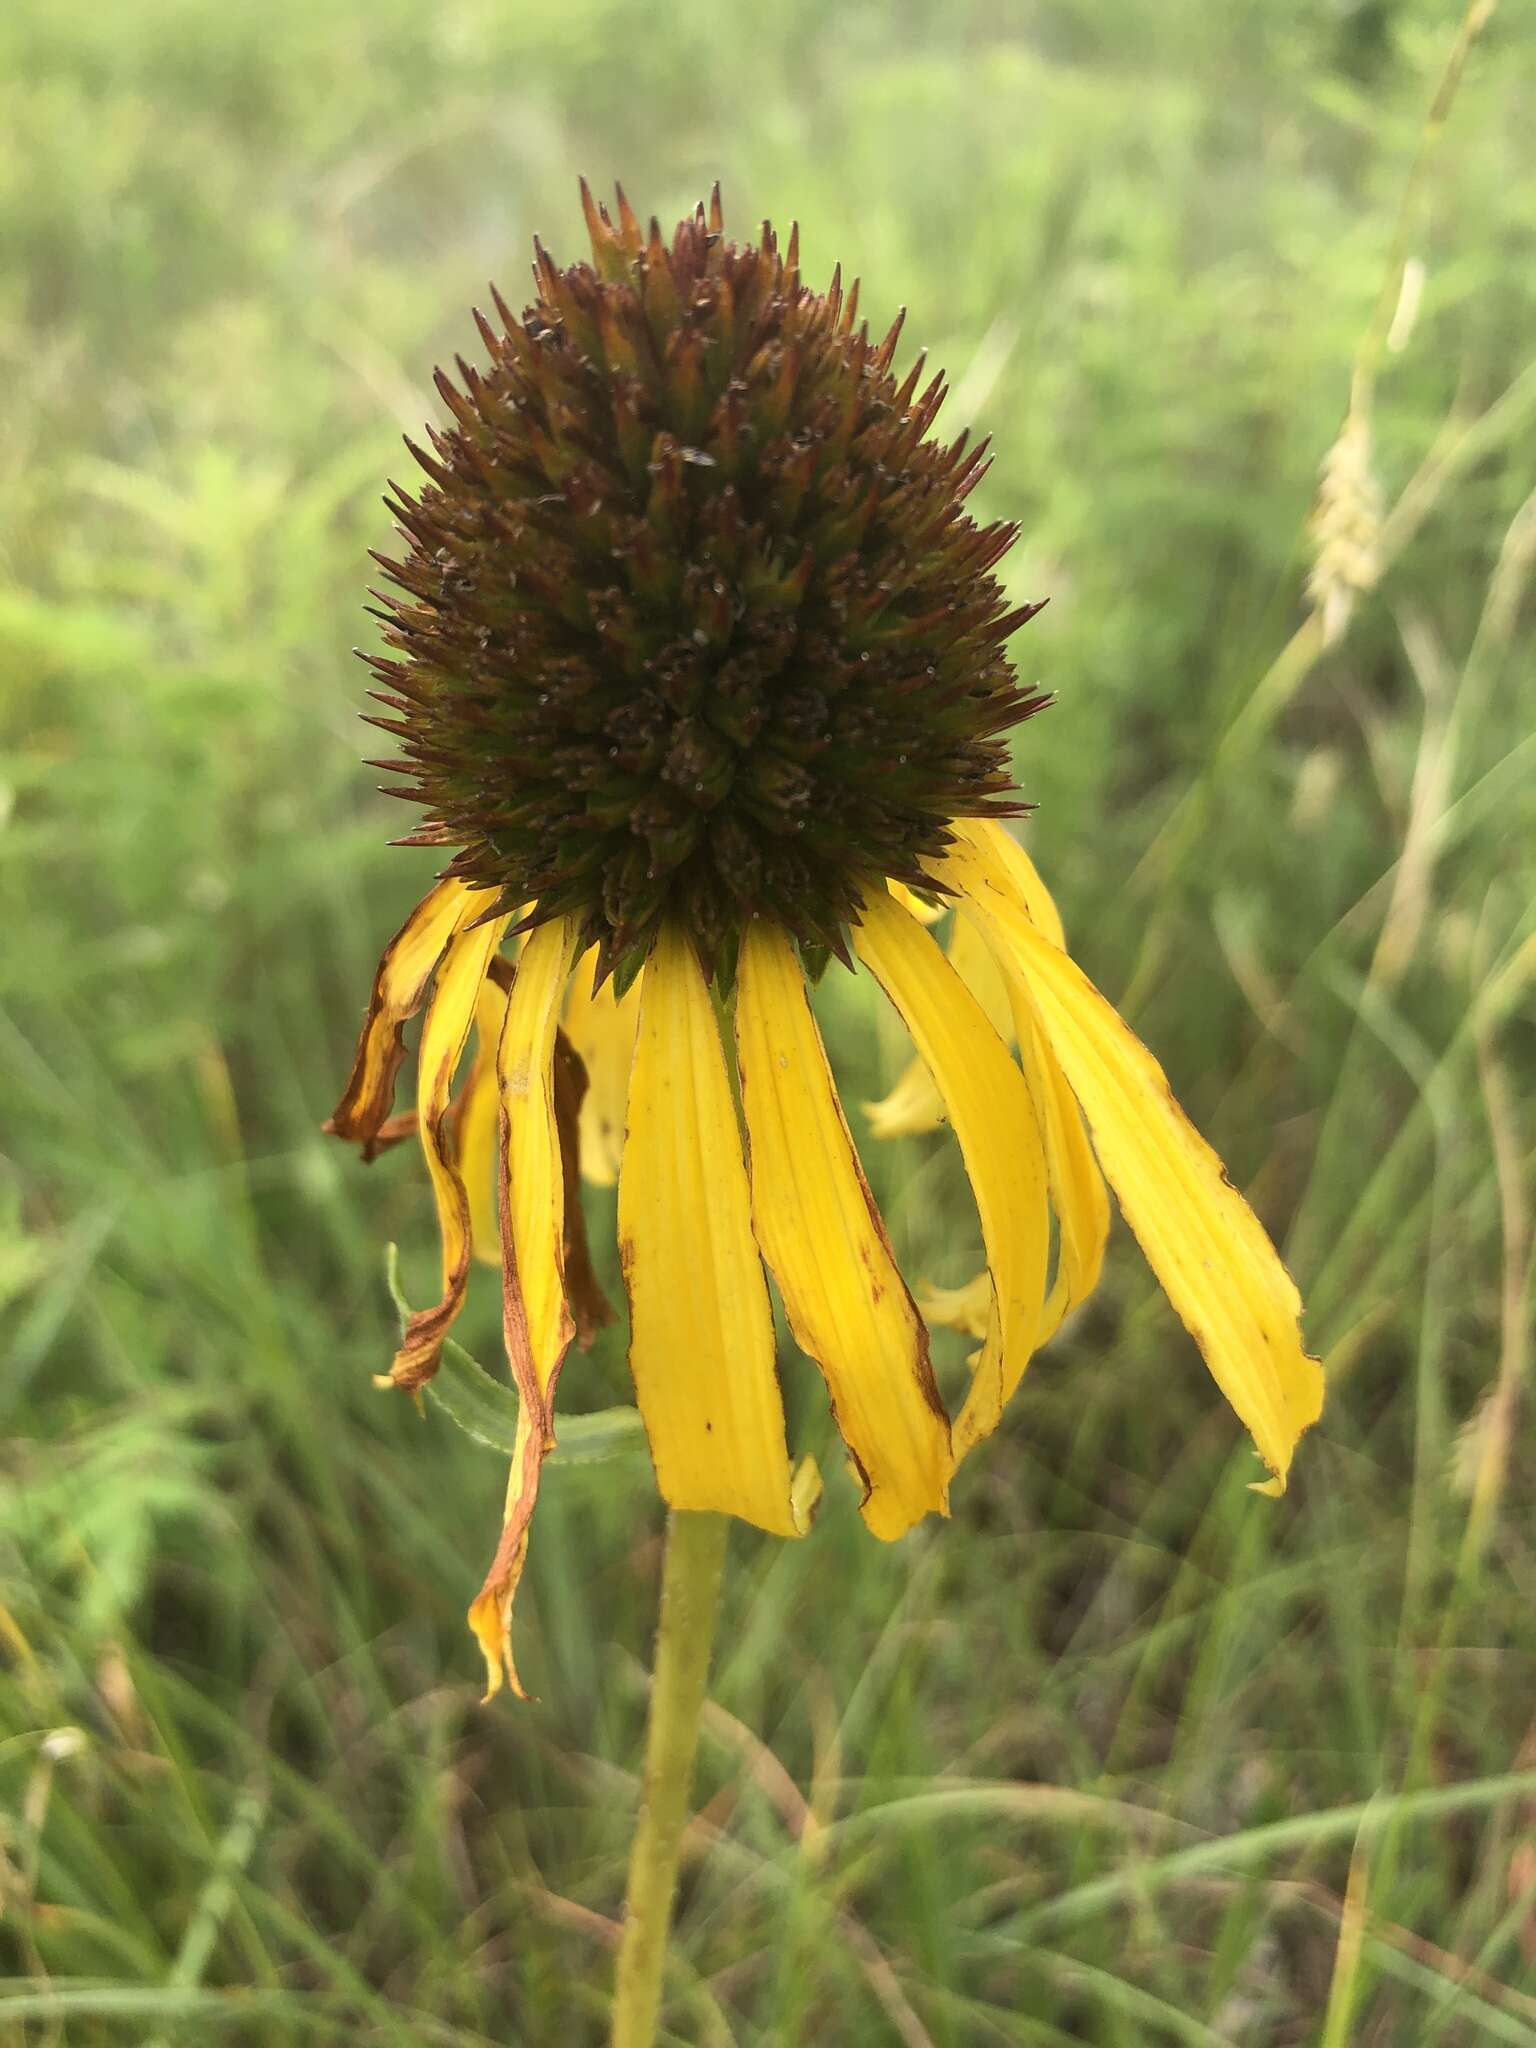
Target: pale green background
<point x="1094" y="1753"/>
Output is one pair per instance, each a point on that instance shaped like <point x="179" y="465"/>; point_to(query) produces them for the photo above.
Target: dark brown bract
<point x="694" y="623"/>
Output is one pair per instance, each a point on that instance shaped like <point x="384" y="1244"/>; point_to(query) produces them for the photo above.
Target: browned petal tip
<point x="419" y="1356"/>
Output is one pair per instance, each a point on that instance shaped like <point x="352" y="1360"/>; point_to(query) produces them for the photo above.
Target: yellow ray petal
<point x="914" y="1105"/>
<point x="399" y="989"/>
<point x="539" y="1323"/>
<point x="1077" y="1186"/>
<point x="536" y="1323"/>
<point x="994" y="1120"/>
<point x="460" y="979"/>
<point x="478" y="1125"/>
<point x="971" y="958"/>
<point x="1020" y="870"/>
<point x="490" y="1612"/>
<point x="601" y="1026"/>
<point x="701" y="1328"/>
<point x="967" y="1308"/>
<point x="821" y="1234"/>
<point x="1204" y="1243"/>
<point x="1078" y="1194"/>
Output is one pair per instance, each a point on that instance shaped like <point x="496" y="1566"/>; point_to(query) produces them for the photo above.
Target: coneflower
<point x="698" y="667"/>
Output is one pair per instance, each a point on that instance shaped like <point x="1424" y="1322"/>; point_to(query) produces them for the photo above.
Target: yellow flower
<point x="706" y="1196"/>
<point x="702" y="673"/>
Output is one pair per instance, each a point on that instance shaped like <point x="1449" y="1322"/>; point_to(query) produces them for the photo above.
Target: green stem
<point x="690" y="1598"/>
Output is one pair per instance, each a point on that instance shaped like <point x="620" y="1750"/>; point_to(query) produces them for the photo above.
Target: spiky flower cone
<point x="695" y="624"/>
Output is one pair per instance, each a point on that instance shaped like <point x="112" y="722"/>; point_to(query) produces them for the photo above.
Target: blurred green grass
<point x="1120" y="1755"/>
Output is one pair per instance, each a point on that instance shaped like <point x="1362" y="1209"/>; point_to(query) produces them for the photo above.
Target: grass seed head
<point x="1345" y="530"/>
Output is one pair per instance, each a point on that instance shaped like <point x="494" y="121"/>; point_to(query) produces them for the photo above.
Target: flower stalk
<point x="690" y="1600"/>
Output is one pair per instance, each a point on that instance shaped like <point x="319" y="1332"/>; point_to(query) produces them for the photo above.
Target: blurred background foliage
<point x="1121" y="1754"/>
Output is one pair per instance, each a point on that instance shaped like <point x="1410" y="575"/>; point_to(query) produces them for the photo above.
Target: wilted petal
<point x="912" y="1107"/>
<point x="399" y="988"/>
<point x="915" y="1105"/>
<point x="994" y="1120"/>
<point x="967" y="1308"/>
<point x="971" y="958"/>
<point x="601" y="1027"/>
<point x="701" y="1328"/>
<point x="490" y="1612"/>
<point x="536" y="1322"/>
<point x="460" y="980"/>
<point x="478" y="1124"/>
<point x="1077" y="1186"/>
<point x="1211" y="1253"/>
<point x="1020" y="872"/>
<point x="539" y="1325"/>
<point x="822" y="1236"/>
<point x="1078" y="1194"/>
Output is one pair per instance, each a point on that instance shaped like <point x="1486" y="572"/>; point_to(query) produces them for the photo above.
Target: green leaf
<point x="467" y="1395"/>
<point x="595" y="1439"/>
<point x="487" y="1409"/>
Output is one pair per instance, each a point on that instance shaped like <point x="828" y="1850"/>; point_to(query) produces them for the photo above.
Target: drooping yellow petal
<point x="399" y="988"/>
<point x="822" y="1236"/>
<point x="1077" y="1186"/>
<point x="994" y="1120"/>
<point x="1211" y="1253"/>
<point x="915" y="1105"/>
<point x="460" y="979"/>
<point x="701" y="1328"/>
<point x="1020" y="870"/>
<point x="479" y="1124"/>
<point x="967" y="1308"/>
<point x="971" y="958"/>
<point x="539" y="1323"/>
<point x="537" y="1326"/>
<point x="601" y="1026"/>
<point x="490" y="1612"/>
<point x="1078" y="1194"/>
